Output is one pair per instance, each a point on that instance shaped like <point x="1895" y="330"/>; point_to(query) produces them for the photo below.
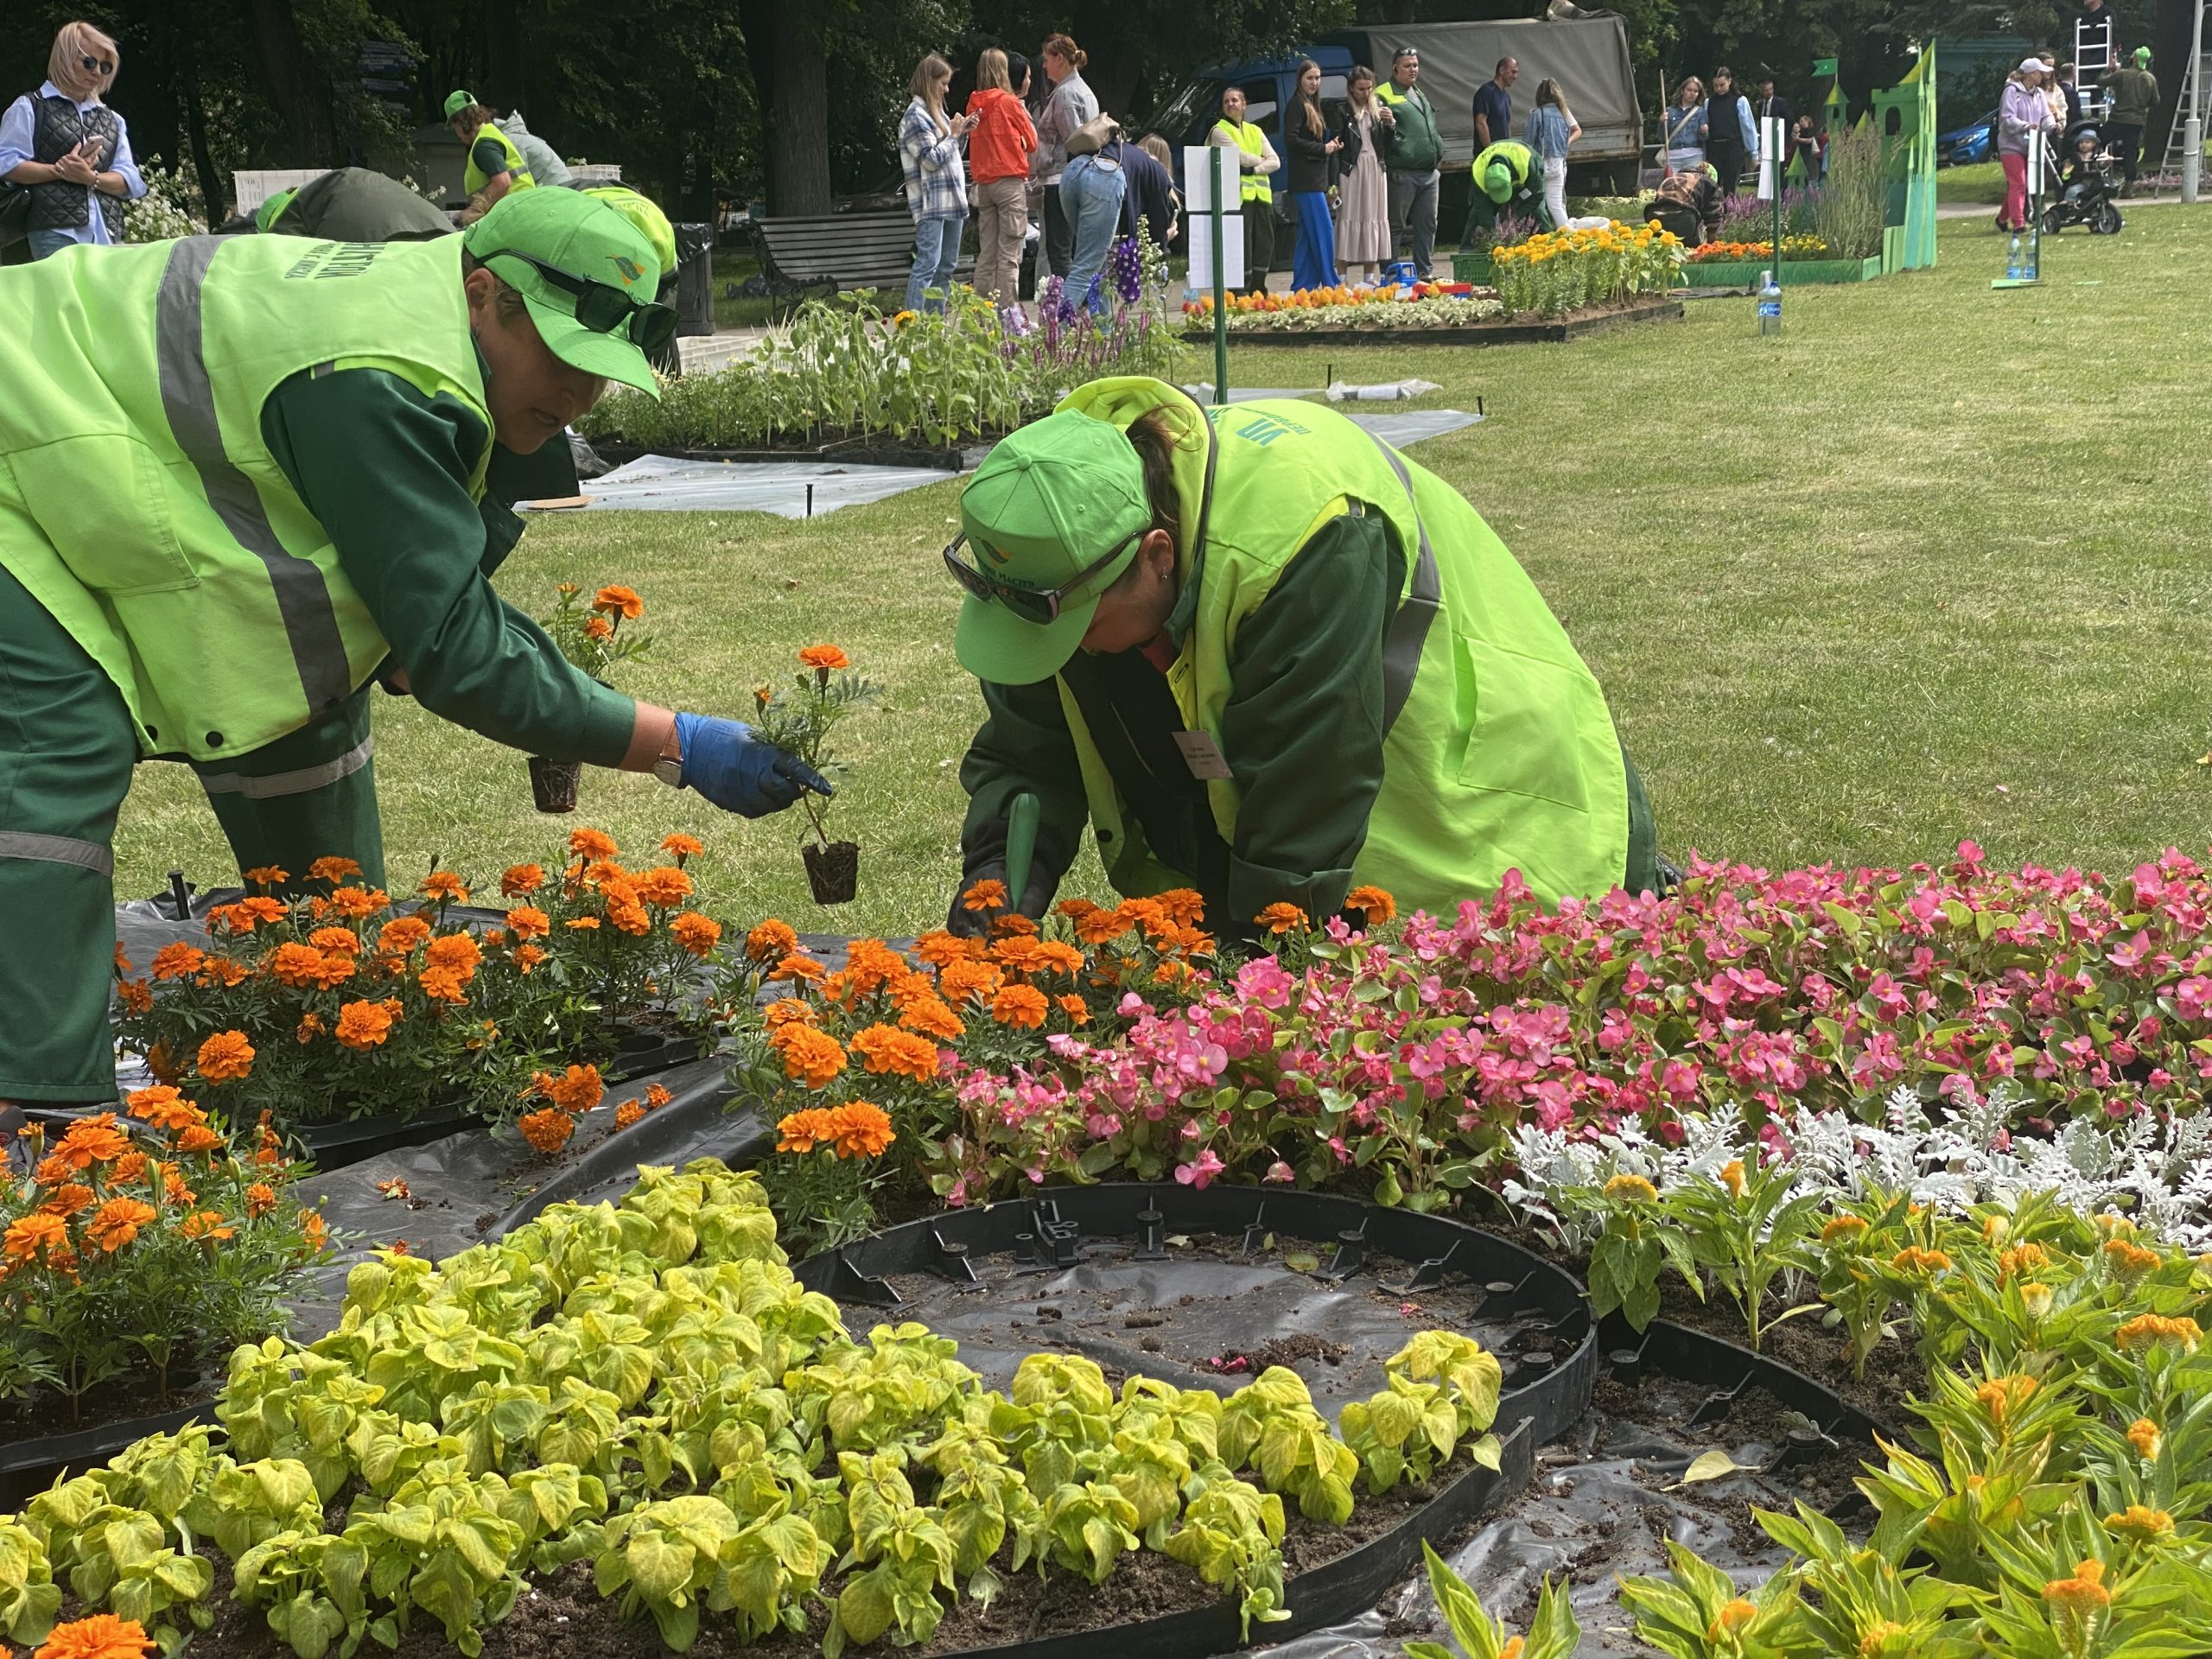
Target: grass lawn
<point x="1922" y="567"/>
<point x="1980" y="182"/>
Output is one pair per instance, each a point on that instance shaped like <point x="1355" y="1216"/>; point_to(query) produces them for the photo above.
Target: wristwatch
<point x="670" y="767"/>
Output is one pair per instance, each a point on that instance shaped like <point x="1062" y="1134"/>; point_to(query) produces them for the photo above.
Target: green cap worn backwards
<point x="1045" y="507"/>
<point x="1497" y="181"/>
<point x="590" y="245"/>
<point x="456" y="102"/>
<point x="2142" y="56"/>
<point x="268" y="212"/>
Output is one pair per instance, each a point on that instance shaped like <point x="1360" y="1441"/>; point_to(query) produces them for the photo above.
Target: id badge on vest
<point x="1200" y="753"/>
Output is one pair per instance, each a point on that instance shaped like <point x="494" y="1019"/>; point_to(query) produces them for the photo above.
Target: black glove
<point x="984" y="859"/>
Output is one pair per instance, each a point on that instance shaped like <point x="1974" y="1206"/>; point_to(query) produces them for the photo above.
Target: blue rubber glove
<point x="738" y="772"/>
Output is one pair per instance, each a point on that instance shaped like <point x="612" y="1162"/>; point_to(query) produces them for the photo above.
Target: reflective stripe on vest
<point x="1409" y="634"/>
<point x="473" y="178"/>
<point x="189" y="400"/>
<point x="57" y="850"/>
<point x="304" y="781"/>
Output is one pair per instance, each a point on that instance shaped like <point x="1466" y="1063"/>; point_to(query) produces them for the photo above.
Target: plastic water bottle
<point x="2013" y="260"/>
<point x="1769" y="304"/>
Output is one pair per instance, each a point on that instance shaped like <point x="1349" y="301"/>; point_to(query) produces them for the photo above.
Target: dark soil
<point x="125" y="1399"/>
<point x="1894" y="1372"/>
<point x="553" y="783"/>
<point x="833" y="872"/>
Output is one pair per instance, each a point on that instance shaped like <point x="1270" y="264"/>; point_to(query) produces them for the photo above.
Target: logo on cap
<point x="629" y="271"/>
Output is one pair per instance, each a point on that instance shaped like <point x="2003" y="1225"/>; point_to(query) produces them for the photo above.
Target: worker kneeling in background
<point x="1267" y="658"/>
<point x="240" y="478"/>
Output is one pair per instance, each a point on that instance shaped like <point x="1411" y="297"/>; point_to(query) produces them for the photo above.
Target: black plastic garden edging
<point x="29" y="1467"/>
<point x="1058" y="1230"/>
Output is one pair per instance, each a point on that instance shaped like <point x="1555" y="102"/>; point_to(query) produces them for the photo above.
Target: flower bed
<point x="1423" y="305"/>
<point x="647" y="1390"/>
<point x="1736" y="253"/>
<point x="845" y="368"/>
<point x="1796" y="273"/>
<point x="1557" y="272"/>
<point x="340" y="1002"/>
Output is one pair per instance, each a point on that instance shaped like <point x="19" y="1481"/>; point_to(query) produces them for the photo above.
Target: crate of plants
<point x="848" y="380"/>
<point x="634" y="1421"/>
<point x="355" y="1021"/>
<point x="1805" y="258"/>
<point x="137" y="1248"/>
<point x="1323" y="315"/>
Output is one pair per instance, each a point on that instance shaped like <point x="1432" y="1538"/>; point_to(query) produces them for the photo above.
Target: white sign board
<point x="1773" y="154"/>
<point x="253" y="186"/>
<point x="1198" y="228"/>
<point x="1198" y="165"/>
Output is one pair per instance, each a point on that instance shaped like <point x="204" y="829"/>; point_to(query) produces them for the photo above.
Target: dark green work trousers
<point x="67" y="749"/>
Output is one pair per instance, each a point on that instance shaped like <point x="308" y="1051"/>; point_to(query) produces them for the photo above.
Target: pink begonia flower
<point x="1278" y="1172"/>
<point x="1200" y="1170"/>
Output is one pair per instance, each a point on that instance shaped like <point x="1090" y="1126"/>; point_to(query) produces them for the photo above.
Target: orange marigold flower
<point x="1012" y="924"/>
<point x="798" y="968"/>
<point x="28" y="1236"/>
<point x="1076" y="1009"/>
<point x="810" y="1056"/>
<point x="873" y="965"/>
<point x="657" y="1097"/>
<point x="359" y="904"/>
<point x="363" y="1025"/>
<point x="116" y="1222"/>
<point x="522" y="880"/>
<point x="799" y="1131"/>
<point x="2143" y="1434"/>
<point x="446" y="887"/>
<point x="784" y="1012"/>
<point x="2151" y="1329"/>
<point x="313" y="1230"/>
<point x="94" y="1140"/>
<point x="664" y="886"/>
<point x="1281" y="917"/>
<point x="583" y="924"/>
<point x="1378" y="905"/>
<point x="54" y="1169"/>
<point x="333" y="870"/>
<point x="2084" y="1594"/>
<point x="178" y="961"/>
<point x="400" y="937"/>
<point x="165" y="1109"/>
<point x="628" y="1113"/>
<point x="223" y="971"/>
<point x="1016" y="953"/>
<point x="598" y="627"/>
<point x="456" y="952"/>
<point x="939" y="948"/>
<point x="771" y="940"/>
<point x="1056" y="957"/>
<point x="823" y="659"/>
<point x="1185" y="907"/>
<point x="860" y="1129"/>
<point x="960" y="981"/>
<point x="1913" y="1259"/>
<point x="1097" y="925"/>
<point x="266" y="875"/>
<point x="205" y="1224"/>
<point x="577" y="1089"/>
<point x="932" y="1017"/>
<point x="1021" y="1007"/>
<point x="300" y="966"/>
<point x="547" y="1129"/>
<point x="622" y="601"/>
<point x="987" y="894"/>
<point x="528" y="957"/>
<point x="101" y="1637"/>
<point x="886" y="1048"/>
<point x="696" y="932"/>
<point x="136" y="995"/>
<point x="592" y="844"/>
<point x="529" y="922"/>
<point x="128" y="1168"/>
<point x="260" y="1199"/>
<point x="679" y="846"/>
<point x="67" y="1199"/>
<point x="628" y="917"/>
<point x="198" y="1139"/>
<point x="335" y="941"/>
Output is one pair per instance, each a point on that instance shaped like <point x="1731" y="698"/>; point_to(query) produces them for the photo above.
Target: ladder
<point x="2195" y="81"/>
<point x="2096" y="49"/>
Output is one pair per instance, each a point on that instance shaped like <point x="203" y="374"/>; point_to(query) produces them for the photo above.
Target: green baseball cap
<point x="2142" y="55"/>
<point x="456" y="102"/>
<point x="582" y="239"/>
<point x="1497" y="181"/>
<point x="1046" y="506"/>
<point x="267" y="213"/>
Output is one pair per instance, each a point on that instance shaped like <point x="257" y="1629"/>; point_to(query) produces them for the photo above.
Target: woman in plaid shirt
<point x="936" y="181"/>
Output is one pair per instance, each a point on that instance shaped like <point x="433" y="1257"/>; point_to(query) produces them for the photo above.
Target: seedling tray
<point x="1335" y="1284"/>
<point x="1503" y="332"/>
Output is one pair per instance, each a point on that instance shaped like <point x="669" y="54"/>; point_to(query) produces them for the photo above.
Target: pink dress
<point x="1363" y="201"/>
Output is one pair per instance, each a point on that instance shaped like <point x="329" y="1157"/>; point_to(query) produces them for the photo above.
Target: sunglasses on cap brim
<point x="1036" y="605"/>
<point x="602" y="307"/>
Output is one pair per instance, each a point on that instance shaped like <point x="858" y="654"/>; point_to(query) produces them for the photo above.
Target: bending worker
<point x="1507" y="180"/>
<point x="1267" y="658"/>
<point x="241" y="476"/>
<point x="495" y="165"/>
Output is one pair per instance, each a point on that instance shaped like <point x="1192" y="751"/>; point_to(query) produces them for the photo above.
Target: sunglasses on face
<point x="604" y="308"/>
<point x="97" y="65"/>
<point x="1030" y="604"/>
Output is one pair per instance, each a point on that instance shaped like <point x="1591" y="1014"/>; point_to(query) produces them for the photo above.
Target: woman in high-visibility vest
<point x="266" y="473"/>
<point x="1265" y="656"/>
<point x="495" y="165"/>
<point x="1255" y="161"/>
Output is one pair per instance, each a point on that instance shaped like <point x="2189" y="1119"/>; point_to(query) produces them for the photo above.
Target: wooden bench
<point x="840" y="251"/>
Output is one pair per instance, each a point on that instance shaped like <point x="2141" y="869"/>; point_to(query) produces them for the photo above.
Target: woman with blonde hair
<point x="1684" y="125"/>
<point x="70" y="148"/>
<point x="999" y="150"/>
<point x="1363" y="187"/>
<point x="936" y="181"/>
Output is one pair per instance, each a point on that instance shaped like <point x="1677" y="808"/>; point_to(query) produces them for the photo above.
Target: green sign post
<point x="1220" y="287"/>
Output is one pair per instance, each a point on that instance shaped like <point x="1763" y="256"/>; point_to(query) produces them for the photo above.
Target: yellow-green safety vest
<point x="1519" y="159"/>
<point x="473" y="178"/>
<point x="1254" y="142"/>
<point x="1500" y="753"/>
<point x="138" y="502"/>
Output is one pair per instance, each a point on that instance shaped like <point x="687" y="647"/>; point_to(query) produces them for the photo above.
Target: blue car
<point x="1964" y="144"/>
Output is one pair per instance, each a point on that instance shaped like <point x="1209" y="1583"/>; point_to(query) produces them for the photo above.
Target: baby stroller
<point x="2082" y="191"/>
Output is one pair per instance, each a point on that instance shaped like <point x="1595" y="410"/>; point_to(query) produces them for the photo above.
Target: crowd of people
<point x="2044" y="96"/>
